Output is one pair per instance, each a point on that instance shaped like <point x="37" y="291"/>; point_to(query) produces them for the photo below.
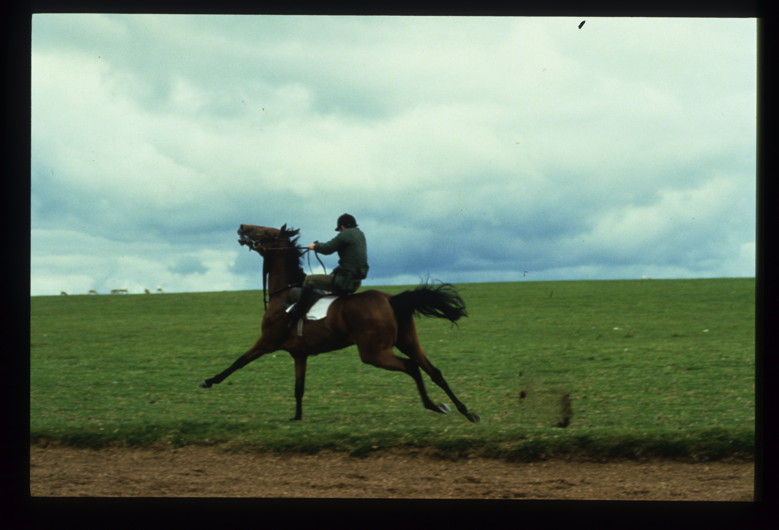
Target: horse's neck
<point x="279" y="277"/>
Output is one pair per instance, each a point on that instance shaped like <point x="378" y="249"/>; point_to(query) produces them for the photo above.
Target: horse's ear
<point x="288" y="232"/>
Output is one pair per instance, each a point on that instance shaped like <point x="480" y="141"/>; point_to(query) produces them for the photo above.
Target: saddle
<point x="295" y="292"/>
<point x="321" y="300"/>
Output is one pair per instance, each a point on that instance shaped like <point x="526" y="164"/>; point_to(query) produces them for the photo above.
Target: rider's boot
<point x="301" y="307"/>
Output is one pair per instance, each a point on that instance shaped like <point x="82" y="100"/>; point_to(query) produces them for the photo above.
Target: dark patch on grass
<point x="566" y="411"/>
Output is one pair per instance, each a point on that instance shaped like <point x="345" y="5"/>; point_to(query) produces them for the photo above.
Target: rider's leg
<point x="322" y="282"/>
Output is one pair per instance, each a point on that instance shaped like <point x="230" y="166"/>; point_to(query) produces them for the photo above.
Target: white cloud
<point x="469" y="147"/>
<point x="76" y="263"/>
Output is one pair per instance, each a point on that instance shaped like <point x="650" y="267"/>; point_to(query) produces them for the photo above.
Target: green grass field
<point x="648" y="368"/>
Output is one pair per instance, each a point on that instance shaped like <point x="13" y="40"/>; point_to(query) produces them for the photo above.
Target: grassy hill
<point x="646" y="368"/>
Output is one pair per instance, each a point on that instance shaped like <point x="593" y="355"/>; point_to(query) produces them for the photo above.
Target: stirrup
<point x="291" y="319"/>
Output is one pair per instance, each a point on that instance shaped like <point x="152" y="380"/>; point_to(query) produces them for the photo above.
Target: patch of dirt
<point x="209" y="472"/>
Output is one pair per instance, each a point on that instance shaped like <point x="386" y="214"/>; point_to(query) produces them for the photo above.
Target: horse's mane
<point x="293" y="258"/>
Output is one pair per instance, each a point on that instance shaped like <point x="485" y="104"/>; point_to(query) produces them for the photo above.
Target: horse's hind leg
<point x="385" y="358"/>
<point x="408" y="343"/>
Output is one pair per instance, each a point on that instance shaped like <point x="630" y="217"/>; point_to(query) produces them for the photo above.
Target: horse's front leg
<point x="253" y="353"/>
<point x="300" y="385"/>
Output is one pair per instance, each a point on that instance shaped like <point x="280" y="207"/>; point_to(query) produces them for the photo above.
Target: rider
<point x="352" y="265"/>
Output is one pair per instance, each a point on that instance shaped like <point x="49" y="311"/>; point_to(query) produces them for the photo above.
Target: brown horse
<point x="374" y="321"/>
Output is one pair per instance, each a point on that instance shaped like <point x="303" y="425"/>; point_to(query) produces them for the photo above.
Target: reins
<point x="317" y="258"/>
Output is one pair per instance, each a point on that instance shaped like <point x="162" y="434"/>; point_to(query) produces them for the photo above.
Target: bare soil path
<point x="208" y="472"/>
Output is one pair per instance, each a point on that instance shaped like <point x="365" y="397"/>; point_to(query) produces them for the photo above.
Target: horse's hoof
<point x="444" y="408"/>
<point x="204" y="384"/>
<point x="473" y="417"/>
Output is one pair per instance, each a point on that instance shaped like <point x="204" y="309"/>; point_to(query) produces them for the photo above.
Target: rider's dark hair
<point x="346" y="220"/>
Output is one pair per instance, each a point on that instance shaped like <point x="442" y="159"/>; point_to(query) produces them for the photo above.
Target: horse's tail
<point x="439" y="301"/>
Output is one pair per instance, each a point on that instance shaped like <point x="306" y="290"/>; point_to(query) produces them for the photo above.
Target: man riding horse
<point x="376" y="323"/>
<point x="347" y="277"/>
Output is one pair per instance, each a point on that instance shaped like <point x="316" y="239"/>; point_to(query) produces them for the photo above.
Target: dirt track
<point x="207" y="472"/>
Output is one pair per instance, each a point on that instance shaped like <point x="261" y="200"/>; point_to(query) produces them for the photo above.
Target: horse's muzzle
<point x="245" y="239"/>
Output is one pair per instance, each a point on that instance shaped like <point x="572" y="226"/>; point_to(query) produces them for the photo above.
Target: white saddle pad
<point x="319" y="310"/>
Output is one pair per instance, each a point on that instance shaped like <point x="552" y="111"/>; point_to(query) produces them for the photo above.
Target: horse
<point x="374" y="321"/>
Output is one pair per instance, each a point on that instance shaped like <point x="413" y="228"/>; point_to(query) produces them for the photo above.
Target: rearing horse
<point x="374" y="321"/>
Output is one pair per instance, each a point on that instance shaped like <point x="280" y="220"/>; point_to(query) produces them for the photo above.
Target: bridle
<point x="257" y="244"/>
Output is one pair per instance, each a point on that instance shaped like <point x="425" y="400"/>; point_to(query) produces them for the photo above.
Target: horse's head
<point x="262" y="238"/>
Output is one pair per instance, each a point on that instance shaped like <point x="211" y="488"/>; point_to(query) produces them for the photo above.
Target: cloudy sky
<point x="468" y="148"/>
